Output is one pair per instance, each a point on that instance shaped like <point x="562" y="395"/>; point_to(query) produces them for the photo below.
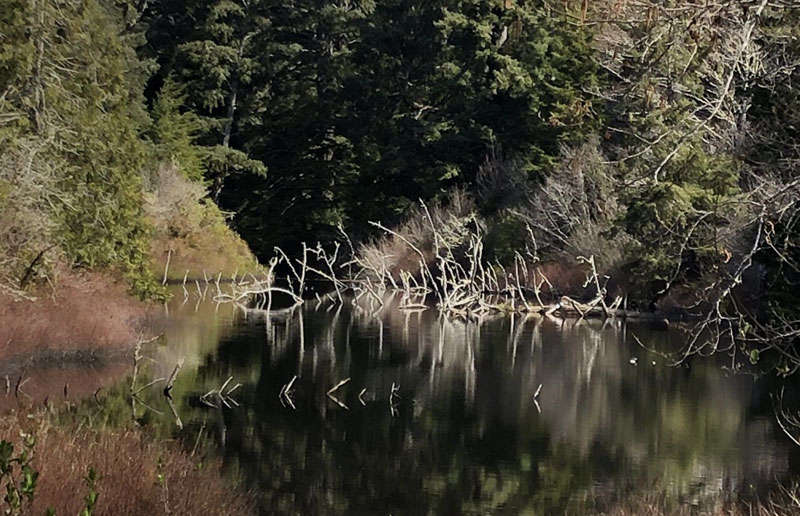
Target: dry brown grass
<point x="566" y="278"/>
<point x="127" y="465"/>
<point x="784" y="501"/>
<point x="86" y="311"/>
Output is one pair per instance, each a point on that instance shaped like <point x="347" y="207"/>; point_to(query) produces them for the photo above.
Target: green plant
<point x="91" y="496"/>
<point x="161" y="481"/>
<point x="17" y="474"/>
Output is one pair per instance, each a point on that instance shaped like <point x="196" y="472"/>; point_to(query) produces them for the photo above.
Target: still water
<point x="442" y="416"/>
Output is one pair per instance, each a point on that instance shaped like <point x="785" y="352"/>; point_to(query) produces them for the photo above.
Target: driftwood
<point x="394" y="397"/>
<point x="133" y="391"/>
<point x="453" y="277"/>
<point x="168" y="388"/>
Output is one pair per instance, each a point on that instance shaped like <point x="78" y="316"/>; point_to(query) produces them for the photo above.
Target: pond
<point x="503" y="415"/>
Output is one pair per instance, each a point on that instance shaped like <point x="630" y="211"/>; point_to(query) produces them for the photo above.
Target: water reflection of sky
<point x="465" y="435"/>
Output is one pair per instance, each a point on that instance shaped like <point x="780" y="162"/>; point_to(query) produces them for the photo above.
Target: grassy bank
<point x="134" y="475"/>
<point x="191" y="237"/>
<point x="67" y="337"/>
<point x="78" y="311"/>
<point x="782" y="501"/>
<point x="62" y="308"/>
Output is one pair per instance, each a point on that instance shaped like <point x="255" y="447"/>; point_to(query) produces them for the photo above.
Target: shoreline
<point x="62" y="358"/>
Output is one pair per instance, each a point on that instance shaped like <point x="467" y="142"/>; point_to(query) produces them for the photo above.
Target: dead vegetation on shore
<point x="135" y="476"/>
<point x="783" y="501"/>
<point x="57" y="381"/>
<point x="86" y="311"/>
<point x="438" y="256"/>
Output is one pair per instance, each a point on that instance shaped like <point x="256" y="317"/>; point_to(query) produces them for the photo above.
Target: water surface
<point x="465" y="432"/>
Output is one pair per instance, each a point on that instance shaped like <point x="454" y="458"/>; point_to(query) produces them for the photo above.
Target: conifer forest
<point x="400" y="257"/>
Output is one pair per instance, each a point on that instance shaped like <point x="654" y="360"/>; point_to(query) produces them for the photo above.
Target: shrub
<point x="193" y="228"/>
<point x="132" y="476"/>
<point x="107" y="320"/>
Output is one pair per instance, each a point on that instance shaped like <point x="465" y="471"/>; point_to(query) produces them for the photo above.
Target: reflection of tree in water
<point x="467" y="437"/>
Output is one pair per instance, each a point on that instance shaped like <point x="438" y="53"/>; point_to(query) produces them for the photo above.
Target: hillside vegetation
<point x="658" y="137"/>
<point x="90" y="177"/>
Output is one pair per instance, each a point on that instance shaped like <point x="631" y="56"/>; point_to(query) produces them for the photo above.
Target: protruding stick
<point x="166" y="267"/>
<point x="171" y="380"/>
<point x="335" y="387"/>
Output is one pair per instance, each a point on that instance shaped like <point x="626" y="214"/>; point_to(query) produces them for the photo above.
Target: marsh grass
<point x="85" y="311"/>
<point x="61" y="379"/>
<point x="781" y="501"/>
<point x="134" y="475"/>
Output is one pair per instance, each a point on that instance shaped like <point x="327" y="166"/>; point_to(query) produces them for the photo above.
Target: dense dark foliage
<point x="359" y="109"/>
<point x="660" y="137"/>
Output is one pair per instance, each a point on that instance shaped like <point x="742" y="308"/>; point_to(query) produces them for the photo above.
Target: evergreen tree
<point x="367" y="108"/>
<point x="73" y="78"/>
<point x="442" y="83"/>
<point x="211" y="50"/>
<point x="298" y="125"/>
<point x="175" y="130"/>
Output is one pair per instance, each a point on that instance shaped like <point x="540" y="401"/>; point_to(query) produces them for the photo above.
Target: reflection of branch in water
<point x="334" y="389"/>
<point x="178" y="421"/>
<point x="217" y="397"/>
<point x="149" y="407"/>
<point x="199" y="436"/>
<point x="380" y="337"/>
<point x="536" y="345"/>
<point x="21" y="381"/>
<point x="394" y="395"/>
<point x="137" y="357"/>
<point x="150" y="384"/>
<point x="663" y="355"/>
<point x="786" y="420"/>
<point x="439" y="344"/>
<point x="406" y="320"/>
<point x="589" y="355"/>
<point x="330" y="337"/>
<point x="285" y="396"/>
<point x="536" y="335"/>
<point x="470" y="374"/>
<point x="223" y="429"/>
<point x="302" y="349"/>
<point x="515" y="334"/>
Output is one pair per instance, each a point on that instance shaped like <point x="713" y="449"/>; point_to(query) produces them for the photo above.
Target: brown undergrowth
<point x="86" y="311"/>
<point x="509" y="248"/>
<point x="398" y="251"/>
<point x="393" y="253"/>
<point x="135" y="476"/>
<point x="66" y="342"/>
<point x="783" y="501"/>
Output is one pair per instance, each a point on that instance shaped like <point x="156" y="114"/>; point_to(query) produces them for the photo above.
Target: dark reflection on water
<point x="465" y="435"/>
